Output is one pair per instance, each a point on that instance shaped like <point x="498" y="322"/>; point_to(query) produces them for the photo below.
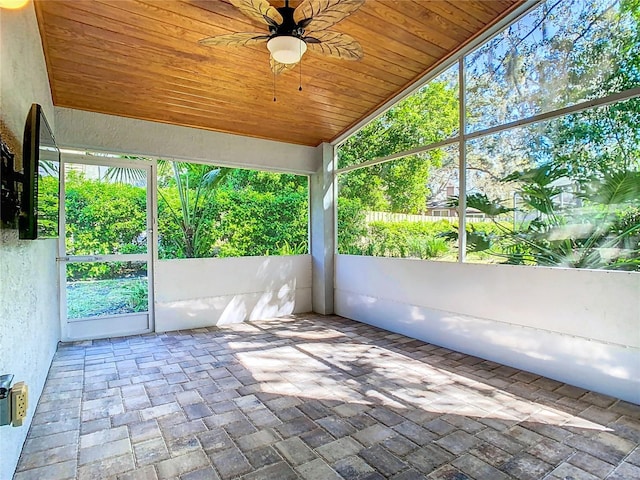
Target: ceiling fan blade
<point x="260" y="10"/>
<point x="334" y="44"/>
<point x="323" y="14"/>
<point x="234" y="39"/>
<point x="278" y="68"/>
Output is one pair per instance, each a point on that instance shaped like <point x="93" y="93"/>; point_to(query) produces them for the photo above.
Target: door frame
<point x="150" y="257"/>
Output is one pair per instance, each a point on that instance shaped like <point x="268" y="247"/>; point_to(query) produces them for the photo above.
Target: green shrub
<point x="251" y="223"/>
<point x="396" y="239"/>
<point x="427" y="247"/>
<point x="137" y="295"/>
<point x="352" y="227"/>
<point x="251" y="213"/>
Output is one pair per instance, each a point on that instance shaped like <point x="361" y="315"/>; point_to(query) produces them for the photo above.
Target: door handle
<point x="81" y="258"/>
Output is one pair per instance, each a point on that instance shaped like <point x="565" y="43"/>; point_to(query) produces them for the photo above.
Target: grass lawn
<point x="106" y="297"/>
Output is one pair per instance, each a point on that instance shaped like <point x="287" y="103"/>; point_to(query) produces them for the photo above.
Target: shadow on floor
<point x="315" y="397"/>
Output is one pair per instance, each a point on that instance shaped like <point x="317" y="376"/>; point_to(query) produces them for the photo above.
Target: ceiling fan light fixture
<point x="13" y="4"/>
<point x="286" y="49"/>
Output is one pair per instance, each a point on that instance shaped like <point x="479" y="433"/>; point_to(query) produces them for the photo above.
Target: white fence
<point x="404" y="217"/>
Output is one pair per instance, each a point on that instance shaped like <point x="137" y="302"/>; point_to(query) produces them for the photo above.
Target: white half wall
<point x="202" y="292"/>
<point x="29" y="308"/>
<point x="581" y="327"/>
<point x="95" y="131"/>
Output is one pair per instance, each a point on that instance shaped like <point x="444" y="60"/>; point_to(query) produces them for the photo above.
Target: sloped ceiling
<point x="141" y="59"/>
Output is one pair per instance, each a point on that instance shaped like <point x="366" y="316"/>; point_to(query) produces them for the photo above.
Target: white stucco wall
<point x="577" y="326"/>
<point x="200" y="292"/>
<point x="23" y="76"/>
<point x="99" y="132"/>
<point x="29" y="326"/>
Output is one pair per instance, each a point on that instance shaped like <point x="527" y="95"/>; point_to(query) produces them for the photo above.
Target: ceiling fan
<point x="293" y="30"/>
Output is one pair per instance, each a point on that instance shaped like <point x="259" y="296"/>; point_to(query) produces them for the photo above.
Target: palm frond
<point x="542" y="175"/>
<point x="213" y="178"/>
<point x="616" y="189"/>
<point x="540" y="197"/>
<point x="481" y="202"/>
<point x="125" y="175"/>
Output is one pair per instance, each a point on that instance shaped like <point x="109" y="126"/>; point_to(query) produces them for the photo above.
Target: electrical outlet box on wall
<point x="19" y="403"/>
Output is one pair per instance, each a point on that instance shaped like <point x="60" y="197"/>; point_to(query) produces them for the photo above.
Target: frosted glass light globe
<point x="13" y="4"/>
<point x="286" y="49"/>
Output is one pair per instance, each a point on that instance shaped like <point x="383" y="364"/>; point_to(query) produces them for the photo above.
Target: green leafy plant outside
<point x="241" y="218"/>
<point x="604" y="233"/>
<point x="137" y="295"/>
<point x="425" y="240"/>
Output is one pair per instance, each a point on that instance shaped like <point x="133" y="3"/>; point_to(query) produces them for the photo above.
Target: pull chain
<point x="274" y="86"/>
<point x="300" y="83"/>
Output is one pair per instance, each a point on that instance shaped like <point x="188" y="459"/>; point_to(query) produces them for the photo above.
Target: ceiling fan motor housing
<point x="288" y="27"/>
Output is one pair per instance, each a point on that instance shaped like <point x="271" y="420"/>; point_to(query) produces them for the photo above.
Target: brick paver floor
<point x="315" y="398"/>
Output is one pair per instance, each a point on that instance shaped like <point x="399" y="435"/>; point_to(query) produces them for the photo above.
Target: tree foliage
<point x="203" y="211"/>
<point x="429" y="115"/>
<point x="192" y="188"/>
<point x="559" y="54"/>
<point x="104" y="218"/>
<point x="250" y="223"/>
<point x="48" y="202"/>
<point x="569" y="184"/>
<point x="231" y="212"/>
<point x="591" y="157"/>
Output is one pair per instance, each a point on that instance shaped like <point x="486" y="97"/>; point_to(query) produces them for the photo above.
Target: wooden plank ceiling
<point x="141" y="59"/>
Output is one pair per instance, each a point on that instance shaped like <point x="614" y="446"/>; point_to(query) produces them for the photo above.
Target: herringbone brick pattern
<point x="315" y="398"/>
